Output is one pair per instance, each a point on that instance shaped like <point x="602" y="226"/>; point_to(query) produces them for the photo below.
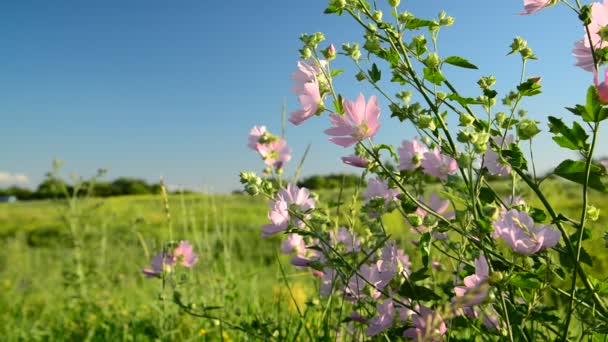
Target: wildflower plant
<point x="480" y="265"/>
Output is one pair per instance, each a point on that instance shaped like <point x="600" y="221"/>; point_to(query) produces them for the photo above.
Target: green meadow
<point x="44" y="295"/>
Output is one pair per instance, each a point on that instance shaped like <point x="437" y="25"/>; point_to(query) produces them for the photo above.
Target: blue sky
<point x="155" y="88"/>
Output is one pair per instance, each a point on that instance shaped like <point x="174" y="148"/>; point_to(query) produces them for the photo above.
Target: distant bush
<point x="331" y="181"/>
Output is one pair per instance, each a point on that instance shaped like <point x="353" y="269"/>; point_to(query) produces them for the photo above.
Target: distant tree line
<point x="55" y="188"/>
<point x="331" y="181"/>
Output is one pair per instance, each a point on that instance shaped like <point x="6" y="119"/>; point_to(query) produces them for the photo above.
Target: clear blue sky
<point x="151" y="88"/>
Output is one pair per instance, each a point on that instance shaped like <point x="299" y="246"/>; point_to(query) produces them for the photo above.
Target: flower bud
<point x="405" y="16"/>
<point x="501" y="117"/>
<point x="415" y="220"/>
<point x="495" y="278"/>
<point x="526" y="53"/>
<point x="426" y="121"/>
<point x="338" y="3"/>
<point x="377" y="16"/>
<point x="447" y="21"/>
<point x="593" y="213"/>
<point x="432" y="60"/>
<point x="463" y="160"/>
<point x="518" y="45"/>
<point x="305" y="53"/>
<point x="527" y="129"/>
<point x="330" y="52"/>
<point x="486" y="82"/>
<point x="466" y="120"/>
<point x="360" y="76"/>
<point x="394" y="3"/>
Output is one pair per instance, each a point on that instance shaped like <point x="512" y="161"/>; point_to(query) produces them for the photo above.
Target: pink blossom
<point x="300" y="261"/>
<point x="583" y="55"/>
<point x="377" y="187"/>
<point x="254" y="136"/>
<point x="411" y="154"/>
<point x="384" y="320"/>
<point x="428" y="326"/>
<point x="306" y="88"/>
<point x="275" y="153"/>
<point x="158" y="265"/>
<point x="439" y="165"/>
<point x="599" y="19"/>
<point x="533" y="6"/>
<point x="293" y="243"/>
<point x="492" y="161"/>
<point x="440" y="207"/>
<point x="351" y="242"/>
<point x="355" y="161"/>
<point x="359" y="122"/>
<point x="602" y="88"/>
<point x="355" y="316"/>
<point x="472" y="283"/>
<point x="518" y="230"/>
<point x="279" y="215"/>
<point x="183" y="254"/>
<point x="604" y="163"/>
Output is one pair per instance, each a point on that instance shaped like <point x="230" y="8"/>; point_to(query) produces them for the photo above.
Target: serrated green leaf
<point x="530" y="87"/>
<point x="336" y="72"/>
<point x="433" y="75"/>
<point x="460" y="62"/>
<point x="575" y="171"/>
<point x="415" y="23"/>
<point x="417" y="292"/>
<point x="525" y="280"/>
<point x="374" y="73"/>
<point x="574" y="138"/>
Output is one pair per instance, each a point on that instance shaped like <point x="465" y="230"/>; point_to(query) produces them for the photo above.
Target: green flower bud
<point x="252" y="189"/>
<point x="495" y="278"/>
<point x="329" y="53"/>
<point x="377" y="16"/>
<point x="432" y="60"/>
<point x="466" y="120"/>
<point x="415" y="220"/>
<point x="526" y="53"/>
<point x="360" y="76"/>
<point x="338" y="3"/>
<point x="447" y="21"/>
<point x="593" y="213"/>
<point x="463" y="136"/>
<point x="426" y="121"/>
<point x="305" y="53"/>
<point x="463" y="160"/>
<point x="518" y="45"/>
<point x="405" y="16"/>
<point x="527" y="129"/>
<point x="491" y="212"/>
<point x="405" y="96"/>
<point x="501" y="117"/>
<point x="486" y="82"/>
<point x="480" y="148"/>
<point x="426" y="140"/>
<point x="441" y="95"/>
<point x="394" y="3"/>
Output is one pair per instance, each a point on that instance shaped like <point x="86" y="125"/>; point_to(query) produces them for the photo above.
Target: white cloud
<point x="7" y="178"/>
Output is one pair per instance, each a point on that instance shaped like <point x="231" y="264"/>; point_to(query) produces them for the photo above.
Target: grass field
<point x="42" y="298"/>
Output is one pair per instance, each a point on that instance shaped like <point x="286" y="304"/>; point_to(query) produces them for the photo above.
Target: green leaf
<point x="421" y="274"/>
<point x="574" y="138"/>
<point x="433" y="75"/>
<point x="336" y="72"/>
<point x="415" y="23"/>
<point x="417" y="292"/>
<point x="530" y="88"/>
<point x="460" y="62"/>
<point x="374" y="73"/>
<point x="575" y="171"/>
<point x="463" y="101"/>
<point x="486" y="195"/>
<point x="594" y="111"/>
<point x="515" y="157"/>
<point x="538" y="215"/>
<point x="525" y="280"/>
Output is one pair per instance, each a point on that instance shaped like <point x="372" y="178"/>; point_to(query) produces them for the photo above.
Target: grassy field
<point x="42" y="299"/>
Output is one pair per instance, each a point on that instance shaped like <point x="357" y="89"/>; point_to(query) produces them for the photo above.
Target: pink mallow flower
<point x="518" y="230"/>
<point x="439" y="165"/>
<point x="440" y="207"/>
<point x="533" y="6"/>
<point x="254" y="136"/>
<point x="275" y="153"/>
<point x="472" y="283"/>
<point x="306" y="88"/>
<point x="359" y="122"/>
<point x="181" y="255"/>
<point x="583" y="55"/>
<point x="492" y="161"/>
<point x="428" y="326"/>
<point x="602" y="88"/>
<point x="377" y="187"/>
<point x="355" y="161"/>
<point x="411" y="154"/>
<point x="384" y="320"/>
<point x="279" y="215"/>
